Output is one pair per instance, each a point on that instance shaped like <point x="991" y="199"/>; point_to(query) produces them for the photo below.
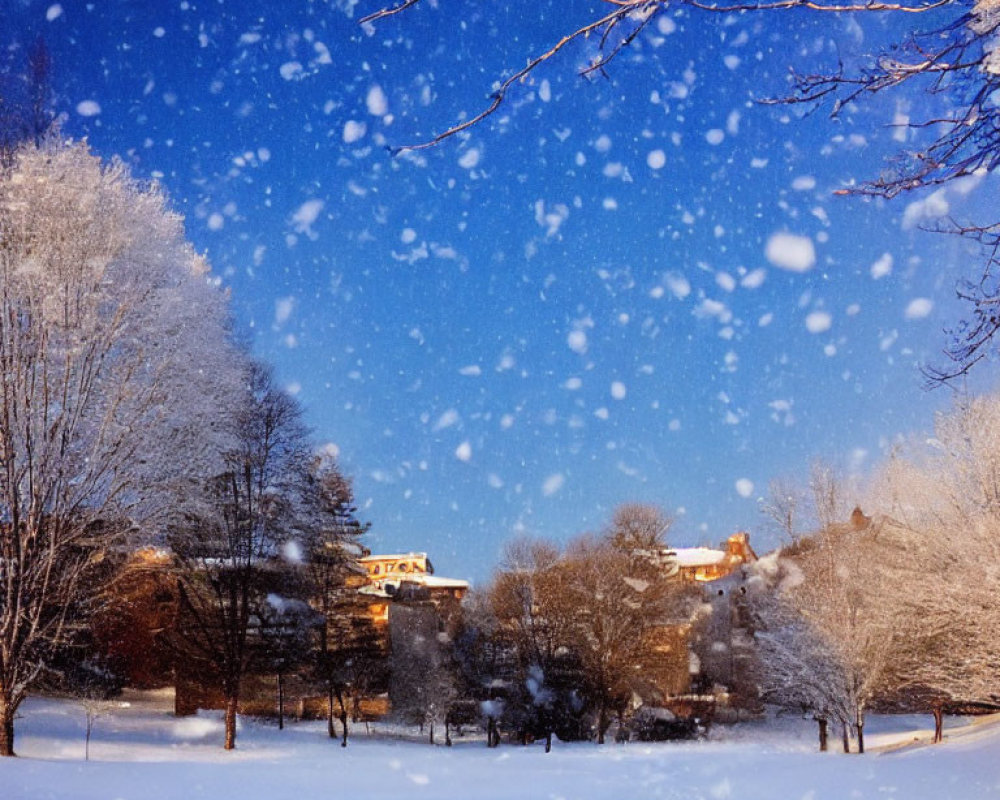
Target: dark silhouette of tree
<point x="26" y="101"/>
<point x="356" y="666"/>
<point x="226" y="540"/>
<point x="347" y="654"/>
<point x="530" y="625"/>
<point x="484" y="660"/>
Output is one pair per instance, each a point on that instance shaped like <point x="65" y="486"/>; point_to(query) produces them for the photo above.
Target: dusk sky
<point x="634" y="288"/>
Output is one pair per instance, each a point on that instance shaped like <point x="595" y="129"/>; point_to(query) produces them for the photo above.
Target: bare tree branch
<point x="958" y="60"/>
<point x="388" y="11"/>
<point x="639" y="12"/>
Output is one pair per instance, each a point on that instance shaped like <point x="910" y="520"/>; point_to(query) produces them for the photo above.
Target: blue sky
<point x="634" y="288"/>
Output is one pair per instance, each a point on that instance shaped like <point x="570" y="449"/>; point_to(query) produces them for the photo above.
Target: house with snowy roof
<point x="706" y="564"/>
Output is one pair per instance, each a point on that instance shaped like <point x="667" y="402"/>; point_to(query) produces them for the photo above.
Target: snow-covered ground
<point x="141" y="752"/>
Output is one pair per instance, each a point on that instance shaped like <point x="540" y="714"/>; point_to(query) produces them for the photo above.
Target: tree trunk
<point x="281" y="702"/>
<point x="447" y="732"/>
<point x="86" y="741"/>
<point x="7" y="710"/>
<point x="330" y="730"/>
<point x="431" y="728"/>
<point x="859" y="726"/>
<point x="231" y="704"/>
<point x="548" y="741"/>
<point x="621" y="735"/>
<point x="844" y="737"/>
<point x="602" y="723"/>
<point x="343" y="724"/>
<point x="338" y="691"/>
<point x="938" y="724"/>
<point x="823" y="736"/>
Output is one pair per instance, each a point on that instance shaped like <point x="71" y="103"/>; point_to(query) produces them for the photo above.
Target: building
<point x="412" y="607"/>
<point x="706" y="564"/>
<point x="388" y="574"/>
<point x="679" y="675"/>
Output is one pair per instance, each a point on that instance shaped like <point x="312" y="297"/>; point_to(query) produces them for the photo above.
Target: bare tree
<point x="783" y="508"/>
<point x="521" y="600"/>
<point x="638" y="527"/>
<point x="586" y="624"/>
<point x="105" y="321"/>
<point x="227" y="537"/>
<point x="616" y="604"/>
<point x="828" y="492"/>
<point x="824" y="499"/>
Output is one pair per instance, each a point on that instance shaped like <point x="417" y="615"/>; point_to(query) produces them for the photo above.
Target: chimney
<point x="858" y="519"/>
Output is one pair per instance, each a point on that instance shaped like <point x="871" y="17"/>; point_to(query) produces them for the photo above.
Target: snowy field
<point x="141" y="752"/>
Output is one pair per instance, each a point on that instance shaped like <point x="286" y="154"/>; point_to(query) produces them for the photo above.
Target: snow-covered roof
<point x="438" y="582"/>
<point x="392" y="557"/>
<point x="429" y="581"/>
<point x="699" y="556"/>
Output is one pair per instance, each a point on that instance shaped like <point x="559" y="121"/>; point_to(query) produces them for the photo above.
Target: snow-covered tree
<point x="111" y="346"/>
<point x="795" y="667"/>
<point x="827" y="619"/>
<point x="943" y="495"/>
